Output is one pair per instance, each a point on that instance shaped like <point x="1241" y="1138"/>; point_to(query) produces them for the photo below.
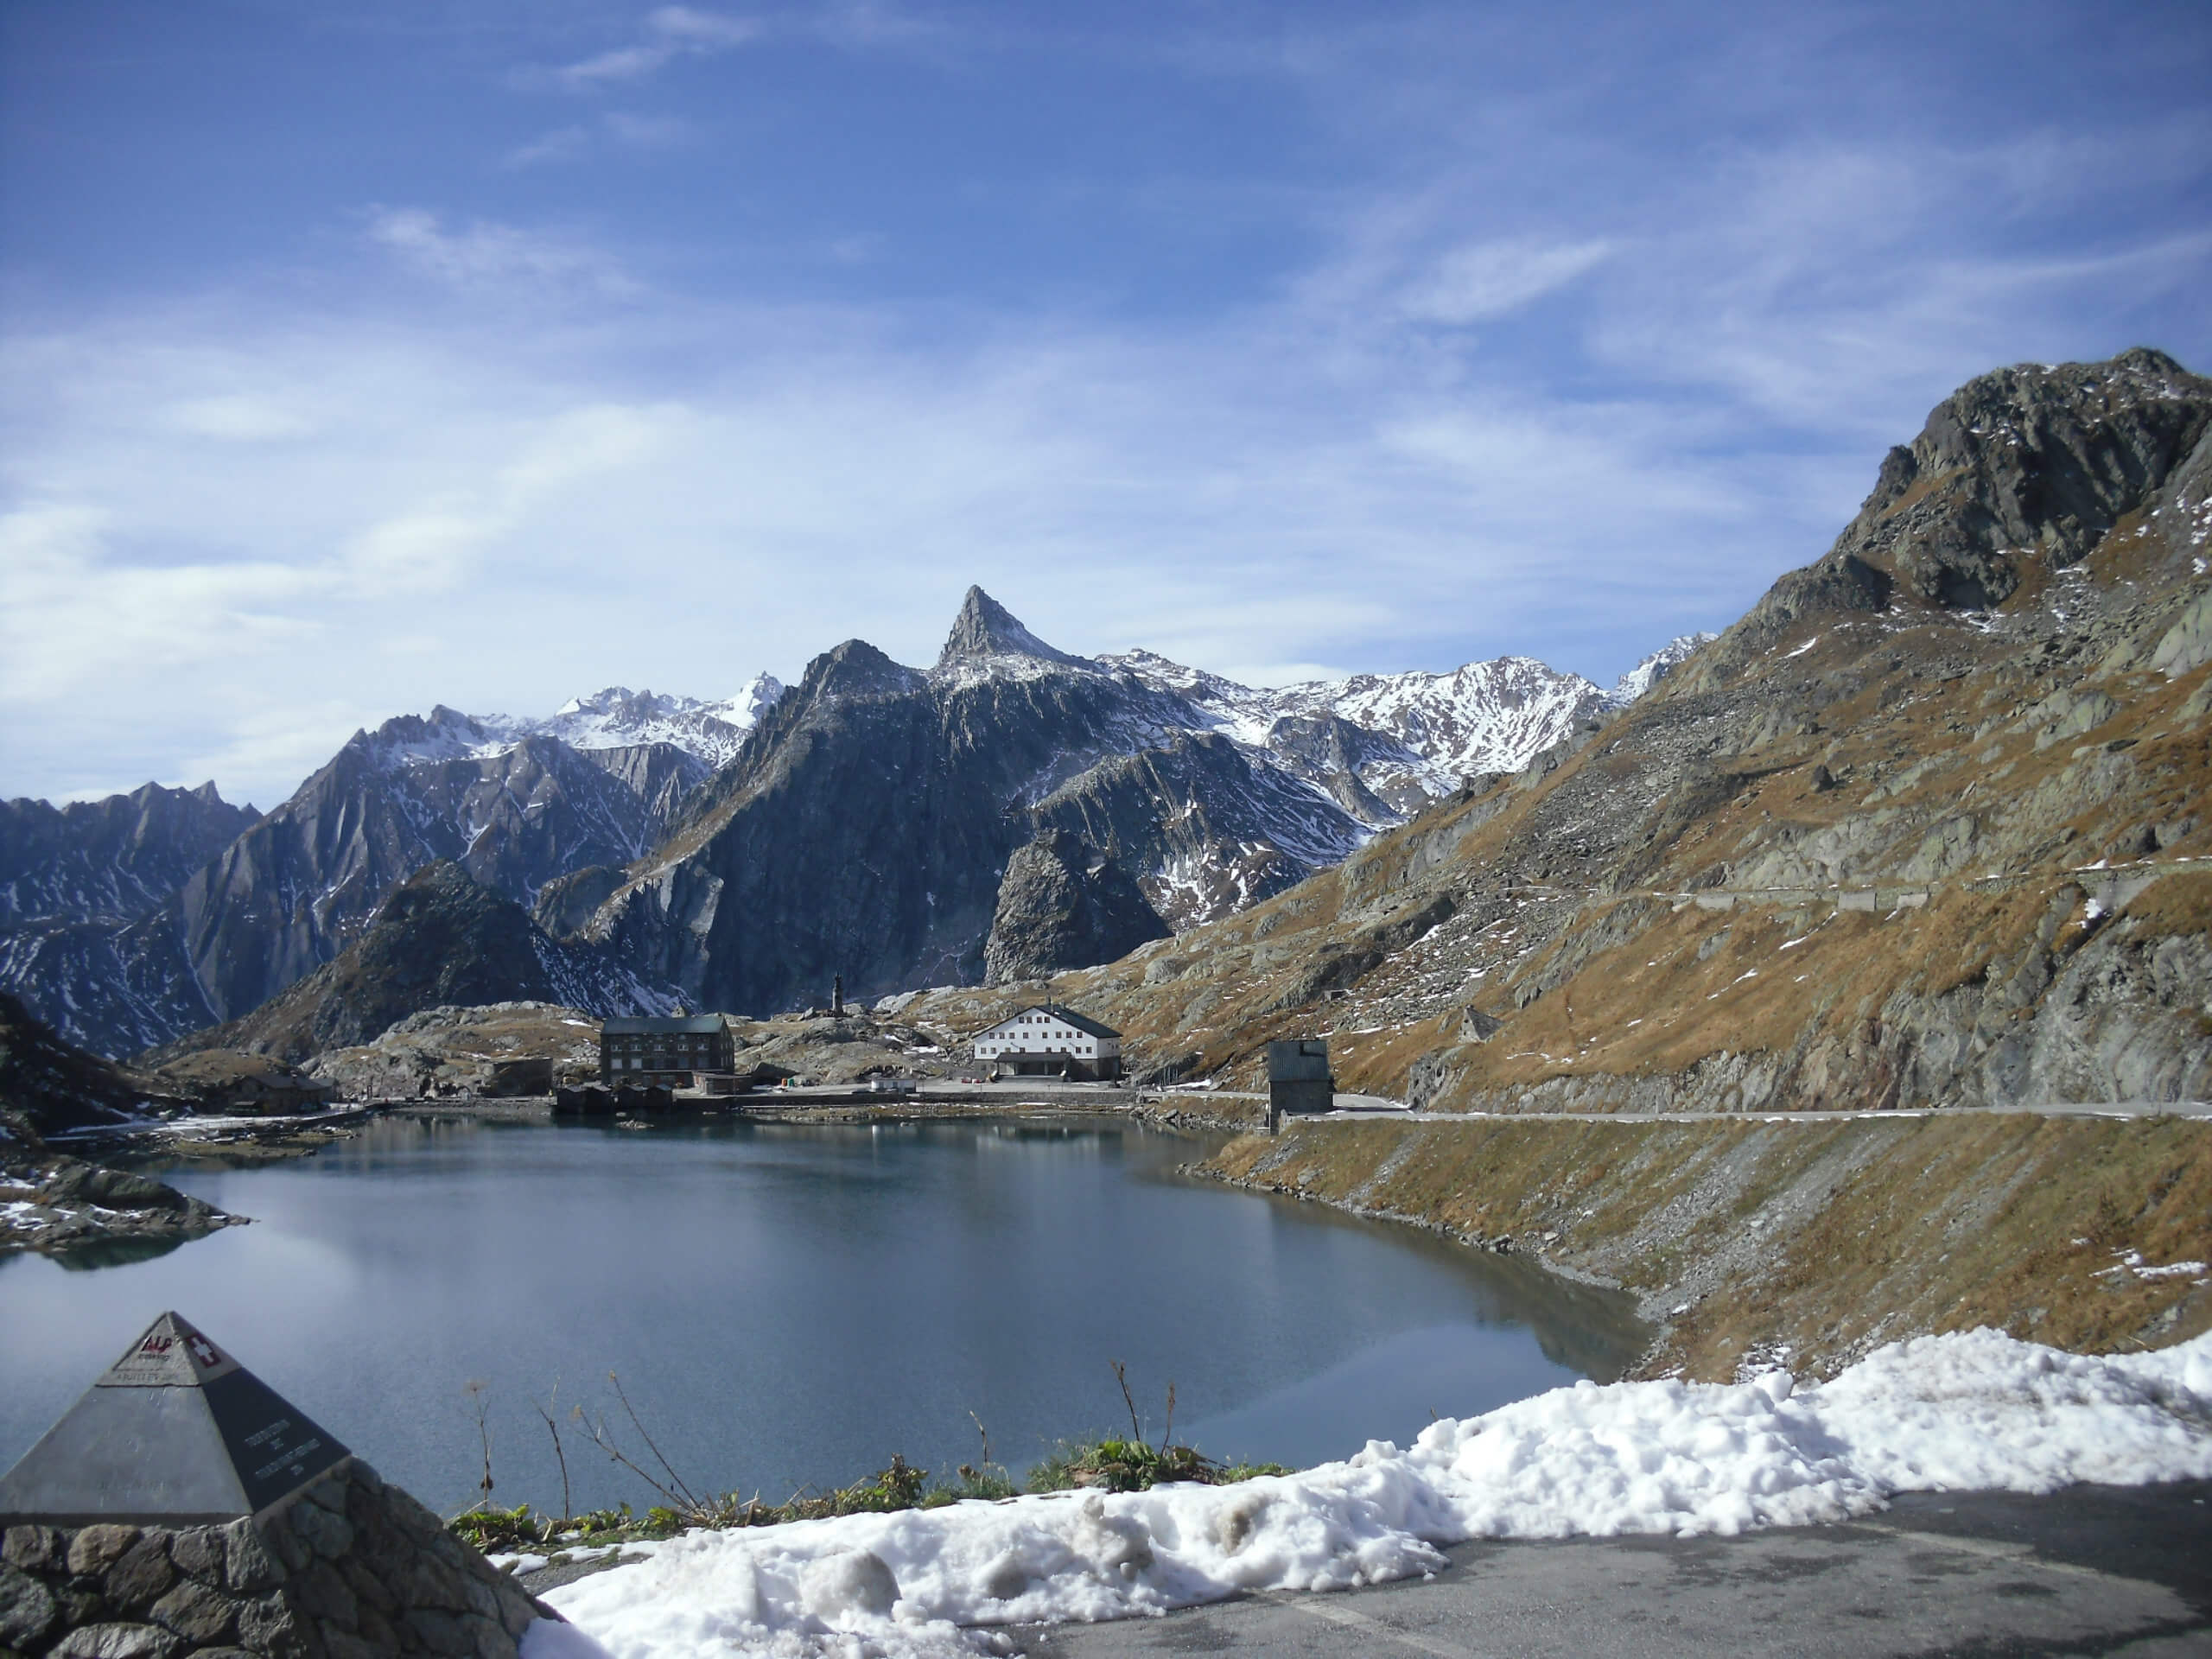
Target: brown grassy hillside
<point x="1932" y="825"/>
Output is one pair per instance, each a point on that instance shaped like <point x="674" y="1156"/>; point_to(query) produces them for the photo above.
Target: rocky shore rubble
<point x="49" y="1201"/>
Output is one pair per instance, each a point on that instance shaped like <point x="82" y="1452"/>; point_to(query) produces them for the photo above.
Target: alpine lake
<point x="787" y="1306"/>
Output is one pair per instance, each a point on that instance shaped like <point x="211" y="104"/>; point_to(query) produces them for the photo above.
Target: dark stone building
<point x="1299" y="1078"/>
<point x="666" y="1053"/>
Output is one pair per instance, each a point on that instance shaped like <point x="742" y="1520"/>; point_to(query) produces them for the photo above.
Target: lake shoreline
<point x="1750" y="1241"/>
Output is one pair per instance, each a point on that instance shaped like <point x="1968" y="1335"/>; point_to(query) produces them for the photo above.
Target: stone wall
<point x="348" y="1568"/>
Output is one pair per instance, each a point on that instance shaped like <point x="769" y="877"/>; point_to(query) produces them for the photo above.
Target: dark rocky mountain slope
<point x="110" y="861"/>
<point x="75" y="881"/>
<point x="440" y="939"/>
<point x="50" y="1085"/>
<point x="1928" y="826"/>
<point x="291" y="892"/>
<point x="1064" y="904"/>
<point x="273" y="901"/>
<point x="865" y="828"/>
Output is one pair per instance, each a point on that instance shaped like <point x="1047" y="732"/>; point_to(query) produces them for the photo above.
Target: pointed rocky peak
<point x="758" y="696"/>
<point x="986" y="630"/>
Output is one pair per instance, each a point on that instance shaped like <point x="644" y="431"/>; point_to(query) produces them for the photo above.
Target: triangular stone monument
<point x="176" y="1432"/>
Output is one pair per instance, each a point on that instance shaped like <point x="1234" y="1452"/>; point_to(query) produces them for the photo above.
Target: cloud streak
<point x="1517" y="357"/>
<point x="488" y="256"/>
<point x="670" y="32"/>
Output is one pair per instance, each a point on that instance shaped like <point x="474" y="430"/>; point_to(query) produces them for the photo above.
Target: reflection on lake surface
<point x="790" y="1305"/>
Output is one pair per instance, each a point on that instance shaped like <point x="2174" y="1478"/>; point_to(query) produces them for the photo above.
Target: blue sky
<point x="357" y="359"/>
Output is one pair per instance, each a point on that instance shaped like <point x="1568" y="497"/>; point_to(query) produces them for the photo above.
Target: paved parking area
<point x="2094" y="1570"/>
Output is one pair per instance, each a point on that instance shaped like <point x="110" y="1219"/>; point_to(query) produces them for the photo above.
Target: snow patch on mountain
<point x="618" y="718"/>
<point x="615" y="718"/>
<point x="1486" y="717"/>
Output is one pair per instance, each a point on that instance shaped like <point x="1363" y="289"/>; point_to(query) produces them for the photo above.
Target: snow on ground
<point x="1954" y="1412"/>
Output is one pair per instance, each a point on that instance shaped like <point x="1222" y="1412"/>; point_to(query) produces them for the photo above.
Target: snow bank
<point x="1978" y="1410"/>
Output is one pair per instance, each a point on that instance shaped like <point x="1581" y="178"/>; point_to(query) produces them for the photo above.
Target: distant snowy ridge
<point x="1976" y="1411"/>
<point x="1435" y="729"/>
<point x="1657" y="666"/>
<point x="616" y="718"/>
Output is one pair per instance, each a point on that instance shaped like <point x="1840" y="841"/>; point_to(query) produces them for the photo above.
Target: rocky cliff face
<point x="108" y="860"/>
<point x="1064" y="904"/>
<point x="1212" y="796"/>
<point x="75" y="883"/>
<point x="866" y="827"/>
<point x="442" y="939"/>
<point x="1927" y="827"/>
<point x="253" y="913"/>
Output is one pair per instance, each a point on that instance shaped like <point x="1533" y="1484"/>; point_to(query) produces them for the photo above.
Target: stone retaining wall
<point x="348" y="1568"/>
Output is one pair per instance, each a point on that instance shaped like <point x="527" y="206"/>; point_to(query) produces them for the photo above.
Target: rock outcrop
<point x="109" y="861"/>
<point x="1925" y="828"/>
<point x="1064" y="904"/>
<point x="2015" y="479"/>
<point x="464" y="1051"/>
<point x="440" y="939"/>
<point x="865" y="828"/>
<point x="50" y="1201"/>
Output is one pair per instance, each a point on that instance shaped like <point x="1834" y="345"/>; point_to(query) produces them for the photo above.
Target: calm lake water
<point x="789" y="1306"/>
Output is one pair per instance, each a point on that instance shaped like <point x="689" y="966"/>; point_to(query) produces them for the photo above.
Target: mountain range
<point x="1930" y="825"/>
<point x="739" y="852"/>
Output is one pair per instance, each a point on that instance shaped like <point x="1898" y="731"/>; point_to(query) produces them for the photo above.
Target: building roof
<point x="176" y="1431"/>
<point x="1066" y="1015"/>
<point x="645" y="1028"/>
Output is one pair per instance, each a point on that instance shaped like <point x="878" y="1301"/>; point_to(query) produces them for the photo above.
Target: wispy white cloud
<point x="486" y="254"/>
<point x="670" y="32"/>
<point x="616" y="130"/>
<point x="1513" y="386"/>
<point x="1489" y="279"/>
<point x="240" y="417"/>
<point x="566" y="144"/>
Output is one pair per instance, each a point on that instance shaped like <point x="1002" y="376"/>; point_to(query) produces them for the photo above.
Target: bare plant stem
<point x="690" y="1500"/>
<point x="552" y="1428"/>
<point x="986" y="1434"/>
<point x="1122" y="1377"/>
<point x="606" y="1443"/>
<point x="476" y="1391"/>
<point x="1168" y="1434"/>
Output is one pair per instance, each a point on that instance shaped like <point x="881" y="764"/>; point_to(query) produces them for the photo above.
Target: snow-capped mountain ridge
<point x="615" y="718"/>
<point x="1209" y="794"/>
<point x="1657" y="666"/>
<point x="1423" y="732"/>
